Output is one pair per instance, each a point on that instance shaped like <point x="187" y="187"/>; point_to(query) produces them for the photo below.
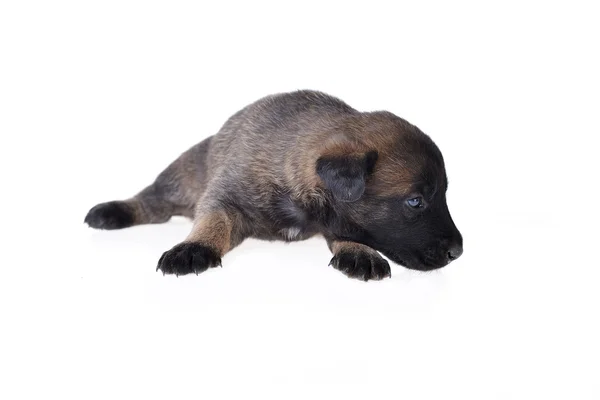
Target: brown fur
<point x="260" y="177"/>
<point x="213" y="230"/>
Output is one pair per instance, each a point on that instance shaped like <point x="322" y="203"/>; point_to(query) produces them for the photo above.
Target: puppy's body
<point x="293" y="165"/>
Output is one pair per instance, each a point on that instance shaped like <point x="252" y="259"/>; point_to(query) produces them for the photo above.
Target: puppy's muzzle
<point x="454" y="252"/>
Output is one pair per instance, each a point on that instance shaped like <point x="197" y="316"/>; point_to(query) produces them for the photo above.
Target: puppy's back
<point x="259" y="139"/>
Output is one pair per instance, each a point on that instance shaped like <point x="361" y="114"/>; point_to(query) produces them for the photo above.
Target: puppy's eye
<point x="415" y="202"/>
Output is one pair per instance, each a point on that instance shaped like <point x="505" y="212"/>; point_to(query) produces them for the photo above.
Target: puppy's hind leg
<point x="174" y="192"/>
<point x="150" y="206"/>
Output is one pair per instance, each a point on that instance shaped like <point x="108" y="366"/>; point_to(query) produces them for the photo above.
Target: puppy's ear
<point x="345" y="176"/>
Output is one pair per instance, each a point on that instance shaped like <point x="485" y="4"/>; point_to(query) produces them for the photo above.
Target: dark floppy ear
<point x="345" y="176"/>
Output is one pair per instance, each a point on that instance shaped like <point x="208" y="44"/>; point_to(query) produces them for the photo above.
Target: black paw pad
<point x="111" y="215"/>
<point x="361" y="265"/>
<point x="187" y="258"/>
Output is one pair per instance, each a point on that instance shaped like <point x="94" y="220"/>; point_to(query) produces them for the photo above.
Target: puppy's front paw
<point x="361" y="265"/>
<point x="187" y="258"/>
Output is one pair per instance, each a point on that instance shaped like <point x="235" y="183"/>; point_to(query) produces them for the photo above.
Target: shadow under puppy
<point x="294" y="165"/>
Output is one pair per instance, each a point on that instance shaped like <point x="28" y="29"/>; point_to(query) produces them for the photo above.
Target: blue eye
<point x="415" y="202"/>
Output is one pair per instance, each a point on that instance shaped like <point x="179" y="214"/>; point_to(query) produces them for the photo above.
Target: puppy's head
<point x="388" y="189"/>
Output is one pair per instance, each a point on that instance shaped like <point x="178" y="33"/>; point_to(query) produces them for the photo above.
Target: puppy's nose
<point x="454" y="252"/>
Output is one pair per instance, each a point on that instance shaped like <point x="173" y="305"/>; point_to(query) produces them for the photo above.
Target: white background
<point x="96" y="98"/>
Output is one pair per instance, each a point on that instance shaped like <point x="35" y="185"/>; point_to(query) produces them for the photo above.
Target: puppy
<point x="291" y="166"/>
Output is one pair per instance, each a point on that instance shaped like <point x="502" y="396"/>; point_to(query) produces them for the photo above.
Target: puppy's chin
<point x="411" y="261"/>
